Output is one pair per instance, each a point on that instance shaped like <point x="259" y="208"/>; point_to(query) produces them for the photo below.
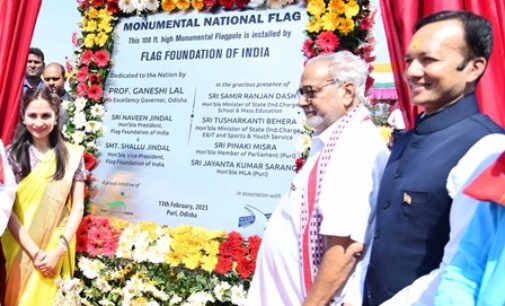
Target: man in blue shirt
<point x="444" y="61"/>
<point x="476" y="275"/>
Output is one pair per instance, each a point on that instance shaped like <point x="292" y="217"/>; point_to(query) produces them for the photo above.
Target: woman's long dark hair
<point x="23" y="138"/>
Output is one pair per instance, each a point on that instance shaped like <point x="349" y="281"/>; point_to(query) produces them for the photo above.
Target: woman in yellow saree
<point x="48" y="206"/>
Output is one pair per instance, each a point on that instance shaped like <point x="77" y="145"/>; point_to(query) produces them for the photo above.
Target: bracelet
<point x="65" y="242"/>
<point x="36" y="254"/>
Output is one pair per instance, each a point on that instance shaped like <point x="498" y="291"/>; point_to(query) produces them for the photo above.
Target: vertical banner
<point x="202" y="119"/>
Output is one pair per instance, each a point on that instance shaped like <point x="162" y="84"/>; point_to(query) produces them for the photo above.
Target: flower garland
<point x="149" y="264"/>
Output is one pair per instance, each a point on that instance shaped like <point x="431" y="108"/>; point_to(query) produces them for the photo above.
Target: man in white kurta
<point x="7" y="190"/>
<point x="346" y="199"/>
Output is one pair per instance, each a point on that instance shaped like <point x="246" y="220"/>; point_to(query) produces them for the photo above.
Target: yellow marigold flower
<point x="104" y="13"/>
<point x="167" y="5"/>
<point x="192" y="261"/>
<point x="182" y="4"/>
<point x="139" y="301"/>
<point x="101" y="39"/>
<point x="104" y="26"/>
<point x="346" y="25"/>
<point x="89" y="26"/>
<point x="352" y="9"/>
<point x="174" y="258"/>
<point x="314" y="25"/>
<point x="316" y="7"/>
<point x="330" y="21"/>
<point x="209" y="263"/>
<point x="89" y="41"/>
<point x="197" y="4"/>
<point x="217" y="234"/>
<point x="211" y="248"/>
<point x="118" y="223"/>
<point x="92" y="13"/>
<point x="185" y="228"/>
<point x="337" y="6"/>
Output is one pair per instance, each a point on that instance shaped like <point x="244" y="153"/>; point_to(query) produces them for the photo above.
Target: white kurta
<point x="347" y="206"/>
<point x="7" y="191"/>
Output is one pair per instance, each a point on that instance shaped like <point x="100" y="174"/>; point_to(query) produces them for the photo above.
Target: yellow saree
<point x="42" y="206"/>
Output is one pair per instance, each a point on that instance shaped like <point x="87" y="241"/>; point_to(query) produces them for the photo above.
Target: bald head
<point x="54" y="78"/>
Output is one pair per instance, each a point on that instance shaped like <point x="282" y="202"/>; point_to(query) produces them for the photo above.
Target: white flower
<point x="79" y="120"/>
<point x="66" y="104"/>
<point x="90" y="267"/>
<point x="238" y="295"/>
<point x="220" y="290"/>
<point x="105" y="302"/>
<point x="150" y="5"/>
<point x="256" y="3"/>
<point x="127" y="6"/>
<point x="97" y="111"/>
<point x="91" y="145"/>
<point x="93" y="126"/>
<point x="80" y="104"/>
<point x="175" y="300"/>
<point x="157" y="293"/>
<point x="303" y="143"/>
<point x="103" y="285"/>
<point x="200" y="298"/>
<point x="78" y="137"/>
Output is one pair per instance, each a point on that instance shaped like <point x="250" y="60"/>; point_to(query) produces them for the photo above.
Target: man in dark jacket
<point x="445" y="59"/>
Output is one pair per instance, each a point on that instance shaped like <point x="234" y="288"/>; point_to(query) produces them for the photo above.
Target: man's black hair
<point x="478" y="32"/>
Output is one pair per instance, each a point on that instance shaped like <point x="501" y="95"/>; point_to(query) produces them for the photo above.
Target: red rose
<point x="102" y="58"/>
<point x="82" y="89"/>
<point x="227" y="4"/>
<point x="235" y="237"/>
<point x="209" y="3"/>
<point x="245" y="268"/>
<point x="112" y="6"/>
<point x="86" y="191"/>
<point x="226" y="248"/>
<point x="299" y="164"/>
<point x="98" y="3"/>
<point x="241" y="3"/>
<point x="82" y="74"/>
<point x="89" y="161"/>
<point x="95" y="78"/>
<point x="86" y="57"/>
<point x="224" y="265"/>
<point x="83" y="4"/>
<point x="95" y="92"/>
<point x="254" y="245"/>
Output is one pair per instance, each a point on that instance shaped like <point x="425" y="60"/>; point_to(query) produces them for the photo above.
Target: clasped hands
<point x="46" y="262"/>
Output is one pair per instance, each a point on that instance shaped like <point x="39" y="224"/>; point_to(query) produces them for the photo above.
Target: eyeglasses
<point x="309" y="92"/>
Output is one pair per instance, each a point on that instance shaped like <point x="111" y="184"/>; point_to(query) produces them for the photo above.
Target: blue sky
<point x="53" y="30"/>
<point x="58" y="19"/>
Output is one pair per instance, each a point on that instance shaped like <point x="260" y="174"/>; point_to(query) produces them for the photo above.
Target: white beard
<point x="315" y="121"/>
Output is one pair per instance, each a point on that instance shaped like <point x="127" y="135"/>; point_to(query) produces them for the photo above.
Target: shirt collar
<point x="448" y="116"/>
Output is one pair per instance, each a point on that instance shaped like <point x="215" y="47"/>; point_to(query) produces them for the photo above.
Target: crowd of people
<point x="420" y="224"/>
